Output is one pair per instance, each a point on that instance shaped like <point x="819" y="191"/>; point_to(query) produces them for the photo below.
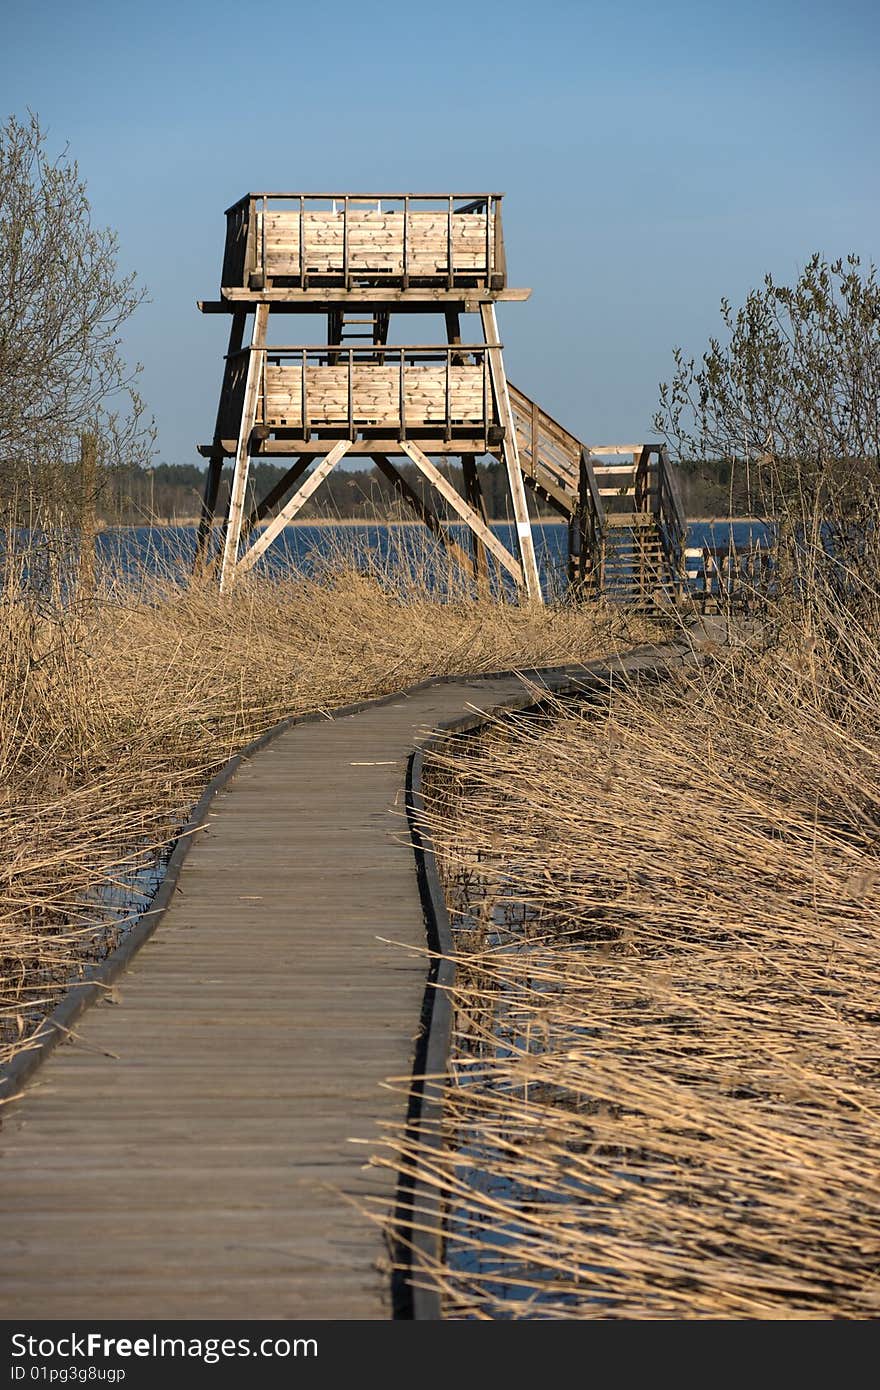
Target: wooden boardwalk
<point x="189" y="1154"/>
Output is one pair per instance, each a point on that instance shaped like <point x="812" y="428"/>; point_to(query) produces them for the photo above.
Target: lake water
<point x="171" y="549"/>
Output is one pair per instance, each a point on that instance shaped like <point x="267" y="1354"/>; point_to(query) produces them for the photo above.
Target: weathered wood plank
<point x="324" y="242"/>
<point x="375" y="393"/>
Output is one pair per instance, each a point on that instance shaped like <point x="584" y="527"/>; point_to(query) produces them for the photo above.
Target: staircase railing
<point x="644" y="492"/>
<point x="586" y="531"/>
<point x="590" y="484"/>
<point x="550" y="455"/>
<point x="558" y="467"/>
<point x="671" y="517"/>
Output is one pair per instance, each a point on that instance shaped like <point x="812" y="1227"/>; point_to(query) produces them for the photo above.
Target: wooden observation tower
<point x="355" y="260"/>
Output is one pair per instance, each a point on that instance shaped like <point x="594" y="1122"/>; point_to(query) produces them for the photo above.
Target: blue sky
<point x="653" y="157"/>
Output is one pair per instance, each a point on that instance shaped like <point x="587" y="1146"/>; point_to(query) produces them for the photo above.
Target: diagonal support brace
<point x="295" y="504"/>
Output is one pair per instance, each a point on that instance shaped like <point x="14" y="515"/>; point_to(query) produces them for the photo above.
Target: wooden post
<point x="581" y="544"/>
<point x="334" y="334"/>
<point x="215" y="463"/>
<point x="474" y="495"/>
<point x="642" y="533"/>
<point x="453" y="337"/>
<point x="209" y="506"/>
<point x="525" y="541"/>
<point x="574" y="550"/>
<point x="242" y="453"/>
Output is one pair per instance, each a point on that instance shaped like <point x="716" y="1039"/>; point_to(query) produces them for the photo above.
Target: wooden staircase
<point x="633" y="567"/>
<point x="627" y="525"/>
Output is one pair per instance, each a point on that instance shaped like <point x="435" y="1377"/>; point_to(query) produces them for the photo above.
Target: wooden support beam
<point x="213" y="474"/>
<point x="319" y="444"/>
<point x="290" y="509"/>
<point x="242" y="455"/>
<point x="609" y="450"/>
<point x="453" y="335"/>
<point x="334" y="332"/>
<point x="215" y="464"/>
<point x="472" y="490"/>
<point x="642" y="483"/>
<point x="275" y="494"/>
<point x="510" y="449"/>
<point x="542" y="484"/>
<point x="585" y="540"/>
<point x="474" y="495"/>
<point x="315" y="301"/>
<point x="464" y="510"/>
<point x="423" y="511"/>
<point x="575" y="550"/>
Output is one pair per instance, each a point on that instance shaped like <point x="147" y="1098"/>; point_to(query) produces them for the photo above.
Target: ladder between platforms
<point x="369" y="327"/>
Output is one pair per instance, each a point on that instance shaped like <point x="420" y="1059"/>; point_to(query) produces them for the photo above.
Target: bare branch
<point x="63" y="304"/>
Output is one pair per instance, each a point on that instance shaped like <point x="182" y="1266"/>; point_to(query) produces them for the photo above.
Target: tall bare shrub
<point x="63" y="305"/>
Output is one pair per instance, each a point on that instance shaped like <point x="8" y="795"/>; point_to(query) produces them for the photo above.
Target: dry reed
<point x="664" y="1085"/>
<point x="117" y="707"/>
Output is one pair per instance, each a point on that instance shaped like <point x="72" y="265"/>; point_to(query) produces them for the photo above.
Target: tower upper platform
<point x="299" y="251"/>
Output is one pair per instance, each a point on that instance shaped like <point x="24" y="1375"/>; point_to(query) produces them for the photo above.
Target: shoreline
<point x="351" y="521"/>
<point x="319" y="521"/>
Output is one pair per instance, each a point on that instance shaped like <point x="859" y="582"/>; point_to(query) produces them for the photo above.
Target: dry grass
<point x="664" y="1091"/>
<point x="116" y="709"/>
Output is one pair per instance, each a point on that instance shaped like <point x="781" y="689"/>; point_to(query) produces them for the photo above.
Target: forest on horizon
<point x="168" y="493"/>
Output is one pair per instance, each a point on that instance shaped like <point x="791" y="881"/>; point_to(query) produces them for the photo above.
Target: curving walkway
<point x="188" y="1154"/>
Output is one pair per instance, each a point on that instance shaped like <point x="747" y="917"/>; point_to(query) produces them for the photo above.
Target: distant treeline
<point x="708" y="489"/>
<point x="172" y="492"/>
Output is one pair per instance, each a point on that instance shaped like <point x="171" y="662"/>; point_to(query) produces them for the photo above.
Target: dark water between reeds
<point x="129" y="551"/>
<point x="486" y="1233"/>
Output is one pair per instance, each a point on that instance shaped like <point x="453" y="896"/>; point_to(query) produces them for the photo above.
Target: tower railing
<point x="439" y="393"/>
<point x="317" y="240"/>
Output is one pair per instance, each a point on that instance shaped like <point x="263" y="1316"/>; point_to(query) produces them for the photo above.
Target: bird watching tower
<point x="355" y="260"/>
